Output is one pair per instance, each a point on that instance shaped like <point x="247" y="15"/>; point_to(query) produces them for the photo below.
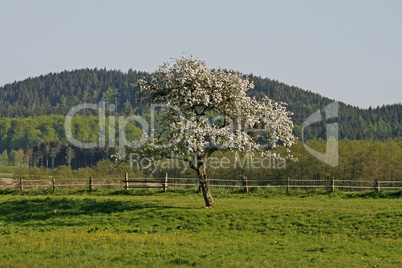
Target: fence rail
<point x="166" y="182"/>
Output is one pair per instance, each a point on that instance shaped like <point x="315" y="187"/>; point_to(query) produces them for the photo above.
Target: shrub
<point x="63" y="172"/>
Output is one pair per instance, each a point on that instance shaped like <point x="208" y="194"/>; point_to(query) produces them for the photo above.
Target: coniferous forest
<point x="32" y="115"/>
<point x="57" y="93"/>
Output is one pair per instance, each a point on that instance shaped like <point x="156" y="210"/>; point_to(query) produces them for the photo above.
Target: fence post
<point x="126" y="181"/>
<point x="377" y="182"/>
<point x="90" y="184"/>
<point x="287" y="186"/>
<point x="21" y="186"/>
<point x="54" y="184"/>
<point x="165" y="184"/>
<point x="245" y="184"/>
<point x="333" y="184"/>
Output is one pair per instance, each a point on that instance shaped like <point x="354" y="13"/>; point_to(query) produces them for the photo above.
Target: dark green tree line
<point x="57" y="93"/>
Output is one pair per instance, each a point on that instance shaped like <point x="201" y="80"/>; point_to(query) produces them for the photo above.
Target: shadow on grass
<point x="58" y="208"/>
<point x="373" y="194"/>
<point x="95" y="192"/>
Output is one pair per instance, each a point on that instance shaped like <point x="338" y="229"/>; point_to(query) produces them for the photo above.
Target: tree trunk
<point x="206" y="191"/>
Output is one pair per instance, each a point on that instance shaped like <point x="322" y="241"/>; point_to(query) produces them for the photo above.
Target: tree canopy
<point x="202" y="110"/>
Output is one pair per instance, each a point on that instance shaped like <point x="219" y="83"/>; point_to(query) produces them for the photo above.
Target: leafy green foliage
<point x="57" y="93"/>
<point x="358" y="160"/>
<point x="41" y="141"/>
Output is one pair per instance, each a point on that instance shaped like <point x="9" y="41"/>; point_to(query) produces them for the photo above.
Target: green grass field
<point x="6" y="175"/>
<point x="152" y="229"/>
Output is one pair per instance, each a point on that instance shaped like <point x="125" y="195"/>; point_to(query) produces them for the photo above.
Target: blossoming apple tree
<point x="203" y="110"/>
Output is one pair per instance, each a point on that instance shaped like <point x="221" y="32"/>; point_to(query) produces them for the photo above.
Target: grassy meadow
<point x="145" y="228"/>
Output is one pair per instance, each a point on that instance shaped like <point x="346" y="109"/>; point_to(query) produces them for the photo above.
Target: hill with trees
<point x="32" y="115"/>
<point x="56" y="93"/>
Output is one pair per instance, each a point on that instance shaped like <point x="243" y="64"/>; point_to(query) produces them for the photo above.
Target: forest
<point x="32" y="116"/>
<point x="358" y="160"/>
<point x="57" y="93"/>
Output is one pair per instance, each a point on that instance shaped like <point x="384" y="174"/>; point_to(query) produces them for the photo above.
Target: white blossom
<point x="216" y="113"/>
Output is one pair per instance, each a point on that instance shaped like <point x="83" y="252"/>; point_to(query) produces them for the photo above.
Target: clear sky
<point x="346" y="50"/>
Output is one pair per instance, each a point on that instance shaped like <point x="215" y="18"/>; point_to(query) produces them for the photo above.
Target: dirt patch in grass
<point x="7" y="182"/>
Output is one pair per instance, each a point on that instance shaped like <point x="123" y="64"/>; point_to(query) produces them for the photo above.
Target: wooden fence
<point x="166" y="182"/>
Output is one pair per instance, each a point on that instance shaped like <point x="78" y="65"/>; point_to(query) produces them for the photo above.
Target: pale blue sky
<point x="346" y="50"/>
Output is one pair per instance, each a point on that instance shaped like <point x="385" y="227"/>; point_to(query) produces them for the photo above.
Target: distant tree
<point x="69" y="155"/>
<point x="46" y="150"/>
<point x="39" y="151"/>
<point x="17" y="157"/>
<point x="127" y="107"/>
<point x="374" y="166"/>
<point x="21" y="172"/>
<point x="4" y="158"/>
<point x="111" y="96"/>
<point x="28" y="154"/>
<point x="55" y="148"/>
<point x="205" y="110"/>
